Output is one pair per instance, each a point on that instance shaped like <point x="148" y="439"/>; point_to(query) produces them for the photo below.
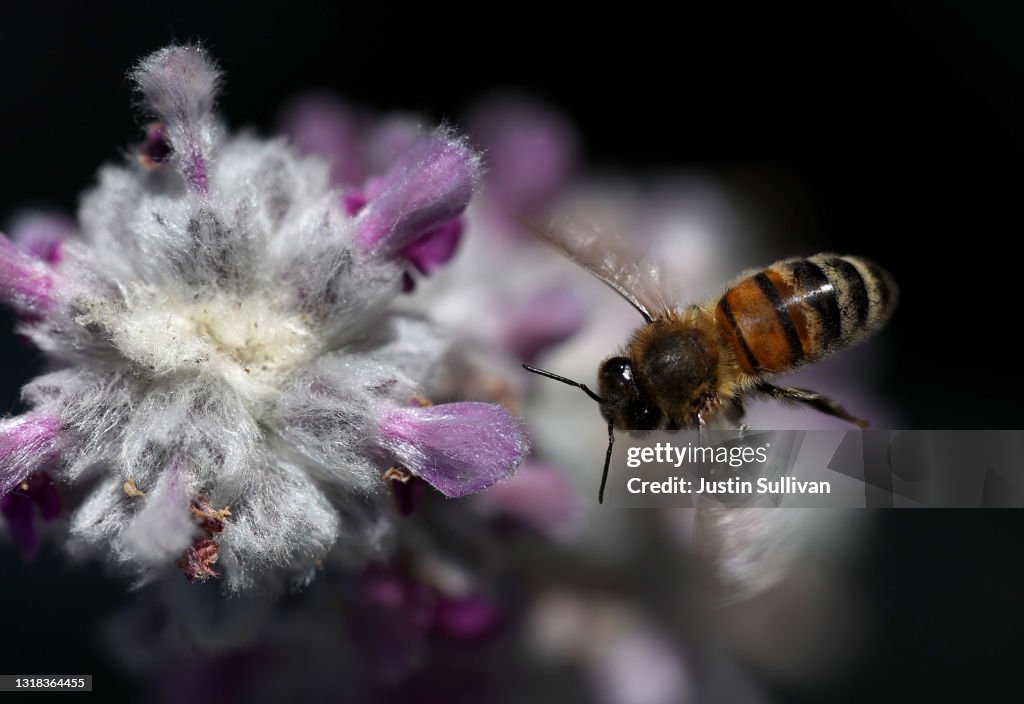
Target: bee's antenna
<point x="562" y="379"/>
<point x="611" y="427"/>
<point x="607" y="461"/>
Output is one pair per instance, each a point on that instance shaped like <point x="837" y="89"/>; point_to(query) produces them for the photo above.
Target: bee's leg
<point x="809" y="398"/>
<point x="709" y="406"/>
<point x="733" y="411"/>
<point x="736" y="418"/>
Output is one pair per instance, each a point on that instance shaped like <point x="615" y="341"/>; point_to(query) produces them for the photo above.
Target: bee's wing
<point x="750" y="547"/>
<point x="746" y="550"/>
<point x="604" y="254"/>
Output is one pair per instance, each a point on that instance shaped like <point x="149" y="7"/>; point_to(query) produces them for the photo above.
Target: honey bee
<point x="688" y="366"/>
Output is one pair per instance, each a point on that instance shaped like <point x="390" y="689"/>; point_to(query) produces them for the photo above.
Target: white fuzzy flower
<point x="230" y="380"/>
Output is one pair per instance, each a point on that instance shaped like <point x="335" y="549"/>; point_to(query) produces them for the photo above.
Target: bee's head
<point x="624" y="403"/>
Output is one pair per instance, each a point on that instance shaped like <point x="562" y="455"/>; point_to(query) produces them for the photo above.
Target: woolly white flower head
<point x="233" y="381"/>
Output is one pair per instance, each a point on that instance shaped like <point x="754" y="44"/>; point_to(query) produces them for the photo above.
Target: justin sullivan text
<point x="733" y="486"/>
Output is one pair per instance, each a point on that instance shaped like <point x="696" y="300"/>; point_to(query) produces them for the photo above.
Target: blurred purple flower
<point x="323" y="125"/>
<point x="38" y="494"/>
<point x="542" y="320"/>
<point x="467" y="619"/>
<point x="389" y="621"/>
<point x="540" y="497"/>
<point x="395" y="615"/>
<point x="532" y="152"/>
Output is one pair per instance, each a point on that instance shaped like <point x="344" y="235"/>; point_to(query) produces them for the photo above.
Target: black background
<point x="900" y="123"/>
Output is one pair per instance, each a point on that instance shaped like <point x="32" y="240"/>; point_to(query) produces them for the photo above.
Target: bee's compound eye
<point x="615" y="375"/>
<point x="625" y="404"/>
<point x="642" y="415"/>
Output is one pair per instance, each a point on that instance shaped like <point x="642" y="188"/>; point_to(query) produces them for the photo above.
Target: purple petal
<point x="326" y="127"/>
<point x="180" y="84"/>
<point x="466" y="619"/>
<point x="353" y="201"/>
<point x="458" y="448"/>
<point x="42" y="234"/>
<point x="389" y="620"/>
<point x="27" y="442"/>
<point x="542" y="320"/>
<point x="17" y="510"/>
<point x="435" y="249"/>
<point x="428" y="187"/>
<point x="532" y="152"/>
<point x="26" y="283"/>
<point x="539" y="497"/>
<point x="375" y="186"/>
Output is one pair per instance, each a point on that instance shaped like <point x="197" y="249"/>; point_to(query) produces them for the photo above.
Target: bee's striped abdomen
<point x="800" y="310"/>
